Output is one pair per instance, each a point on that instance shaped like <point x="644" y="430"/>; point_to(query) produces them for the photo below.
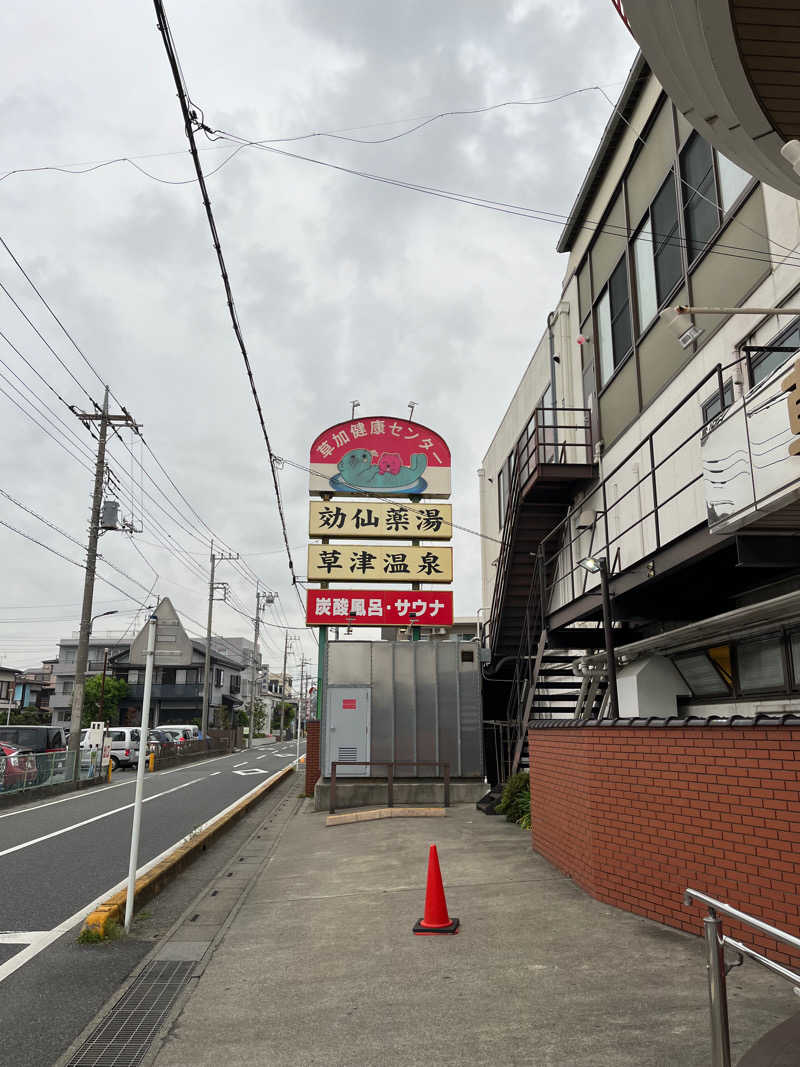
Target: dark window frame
<point x="617" y="361"/>
<point x="727" y="400"/>
<point x="696" y="199"/>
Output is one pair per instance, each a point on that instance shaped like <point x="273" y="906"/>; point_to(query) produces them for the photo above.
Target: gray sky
<point x="346" y="288"/>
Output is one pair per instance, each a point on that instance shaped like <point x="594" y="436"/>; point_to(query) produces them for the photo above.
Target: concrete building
<point x="177" y="694"/>
<point x="35" y="687"/>
<point x="667" y="457"/>
<point x="464" y="628"/>
<point x="63" y="668"/>
<point x="9" y="676"/>
<point x="178" y="671"/>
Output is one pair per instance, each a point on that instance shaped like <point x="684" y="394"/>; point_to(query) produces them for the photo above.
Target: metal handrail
<point x="717" y="968"/>
<point x="561" y="534"/>
<point x="390" y="766"/>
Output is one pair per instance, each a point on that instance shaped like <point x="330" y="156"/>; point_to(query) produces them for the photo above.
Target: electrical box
<point x="348" y="716"/>
<point x="109" y="516"/>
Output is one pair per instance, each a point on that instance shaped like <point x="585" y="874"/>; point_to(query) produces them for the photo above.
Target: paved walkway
<point x="319" y="967"/>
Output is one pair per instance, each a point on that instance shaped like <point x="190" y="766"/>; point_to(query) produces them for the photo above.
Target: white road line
<point x="214" y="774"/>
<point x="49" y="936"/>
<point x="95" y="818"/>
<point x="21" y="937"/>
<point x="262" y="757"/>
<point x="239" y="765"/>
<point x="84" y="794"/>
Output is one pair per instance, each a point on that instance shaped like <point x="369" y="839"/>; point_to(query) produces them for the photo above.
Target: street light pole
<point x="137" y="802"/>
<point x="611" y="657"/>
<point x="103" y="686"/>
<point x="599" y="565"/>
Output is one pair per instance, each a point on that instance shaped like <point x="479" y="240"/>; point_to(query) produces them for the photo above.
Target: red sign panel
<point x="378" y="607"/>
<point x="381" y="456"/>
<point x="348" y="705"/>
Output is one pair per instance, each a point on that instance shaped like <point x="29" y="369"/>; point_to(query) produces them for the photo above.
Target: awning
<point x="749" y="621"/>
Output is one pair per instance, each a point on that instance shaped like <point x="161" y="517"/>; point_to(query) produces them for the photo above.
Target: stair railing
<point x="717" y="968"/>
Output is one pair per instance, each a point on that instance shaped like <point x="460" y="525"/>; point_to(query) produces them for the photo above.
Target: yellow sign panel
<point x="359" y="518"/>
<point x="380" y="563"/>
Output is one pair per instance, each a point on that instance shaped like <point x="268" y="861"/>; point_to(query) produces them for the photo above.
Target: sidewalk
<point x="319" y="967"/>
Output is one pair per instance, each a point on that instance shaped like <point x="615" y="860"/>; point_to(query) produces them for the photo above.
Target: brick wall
<point x="636" y="814"/>
<point x="313" y="769"/>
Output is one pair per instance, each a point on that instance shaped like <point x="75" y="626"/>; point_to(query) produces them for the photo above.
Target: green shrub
<point x="515" y="802"/>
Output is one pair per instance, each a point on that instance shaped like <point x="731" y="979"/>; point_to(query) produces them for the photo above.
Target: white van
<point x="191" y="733"/>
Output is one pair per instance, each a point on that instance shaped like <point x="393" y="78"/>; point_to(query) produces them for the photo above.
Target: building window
<point x="717" y="404"/>
<point x="763" y="363"/>
<point x="644" y="269"/>
<point x="67" y="655"/>
<point x="657" y="253"/>
<point x="67" y="686"/>
<point x="700" y="211"/>
<point x="218" y="676"/>
<point x="732" y="182"/>
<point x="701" y="674"/>
<point x="236" y="683"/>
<point x="133" y="677"/>
<point x="5" y="690"/>
<point x="760" y="664"/>
<point x="614" y="322"/>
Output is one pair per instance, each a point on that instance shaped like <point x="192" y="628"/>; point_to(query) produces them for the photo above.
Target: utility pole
<point x="212" y="587"/>
<point x="82" y="655"/>
<point x="261" y="599"/>
<point x="283" y="682"/>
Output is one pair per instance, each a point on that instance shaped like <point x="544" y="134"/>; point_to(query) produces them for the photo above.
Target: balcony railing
<point x="162" y="691"/>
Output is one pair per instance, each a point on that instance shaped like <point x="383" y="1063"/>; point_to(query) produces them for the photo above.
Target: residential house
<point x="178" y="672"/>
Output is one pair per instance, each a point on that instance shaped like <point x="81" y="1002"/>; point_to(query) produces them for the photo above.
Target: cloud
<point x="346" y="288"/>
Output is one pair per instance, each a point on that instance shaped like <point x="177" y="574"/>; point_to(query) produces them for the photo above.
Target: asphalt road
<point x="59" y="856"/>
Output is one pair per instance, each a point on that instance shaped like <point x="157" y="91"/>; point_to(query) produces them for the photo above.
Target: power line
<point x="75" y="563"/>
<point x="189" y="118"/>
<point x="247" y="572"/>
<point x="421" y="121"/>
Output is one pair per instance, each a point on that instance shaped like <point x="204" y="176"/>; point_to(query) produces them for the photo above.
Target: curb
<point x="384" y="813"/>
<point x="151" y="883"/>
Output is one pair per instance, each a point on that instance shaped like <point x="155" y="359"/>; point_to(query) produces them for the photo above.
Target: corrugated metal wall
<point x="426" y="700"/>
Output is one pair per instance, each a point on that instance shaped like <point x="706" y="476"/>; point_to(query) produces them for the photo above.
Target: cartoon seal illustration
<point x="362" y="469"/>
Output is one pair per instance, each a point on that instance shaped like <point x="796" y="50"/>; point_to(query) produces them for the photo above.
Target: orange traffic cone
<point x="436" y="919"/>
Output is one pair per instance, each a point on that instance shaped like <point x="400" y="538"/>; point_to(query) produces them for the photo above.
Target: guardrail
<point x="28" y="770"/>
<point x="718" y="969"/>
<point x="390" y="768"/>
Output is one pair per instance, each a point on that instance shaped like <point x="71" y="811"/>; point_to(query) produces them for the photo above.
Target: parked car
<point x="42" y="741"/>
<point x="180" y="734"/>
<point x="17" y="767"/>
<point x="190" y="732"/>
<point x="124" y="746"/>
<point x="161" y="742"/>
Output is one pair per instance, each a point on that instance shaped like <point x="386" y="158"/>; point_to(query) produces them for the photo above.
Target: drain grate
<point x="124" y="1036"/>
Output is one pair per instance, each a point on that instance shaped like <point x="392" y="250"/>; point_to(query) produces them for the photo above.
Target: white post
<point x="137" y="803"/>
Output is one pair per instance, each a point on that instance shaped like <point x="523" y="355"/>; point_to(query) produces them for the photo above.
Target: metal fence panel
<point x="405" y="719"/>
<point x="383" y="709"/>
<point x="469" y="690"/>
<point x="447" y="687"/>
<point x="426" y="706"/>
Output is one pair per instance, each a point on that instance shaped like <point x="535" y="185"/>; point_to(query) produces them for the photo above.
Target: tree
<point x="288" y="715"/>
<point x="259" y="716"/>
<point x="116" y="689"/>
<point x="30" y="715"/>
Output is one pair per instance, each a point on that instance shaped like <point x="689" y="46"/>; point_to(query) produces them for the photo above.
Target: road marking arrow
<point x="253" y="770"/>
